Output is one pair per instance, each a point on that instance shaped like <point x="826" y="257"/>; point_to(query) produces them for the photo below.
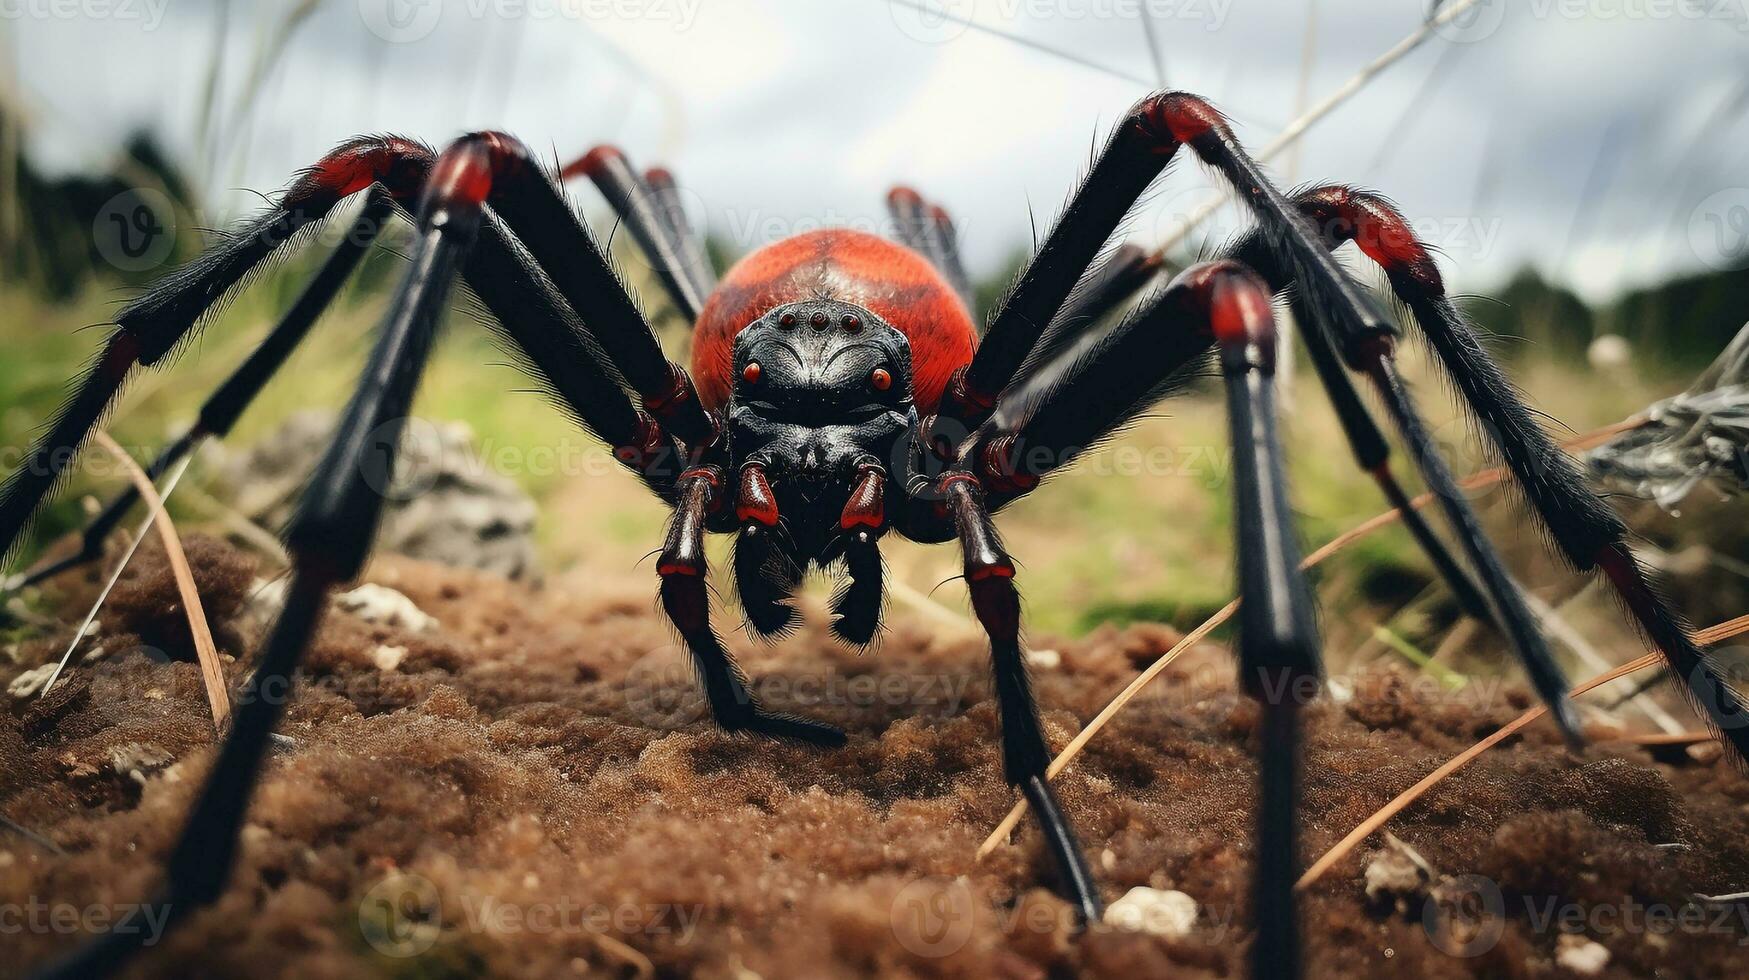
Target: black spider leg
<point x="530" y="204"/>
<point x="944" y="239"/>
<point x="1338" y="307"/>
<point x="686" y="600"/>
<point x="905" y="206"/>
<point x="1144" y="142"/>
<point x="1115" y="281"/>
<point x="1371" y="452"/>
<point x="857" y="604"/>
<point x="161" y="320"/>
<point x="766" y="579"/>
<point x="638" y="206"/>
<point x="220" y="412"/>
<point x="1278" y="632"/>
<point x="552" y="344"/>
<point x="1589" y="534"/>
<point x="329" y="539"/>
<point x="1045" y="421"/>
<point x="698" y="263"/>
<point x="927" y="229"/>
<point x="766" y="574"/>
<point x="989" y="574"/>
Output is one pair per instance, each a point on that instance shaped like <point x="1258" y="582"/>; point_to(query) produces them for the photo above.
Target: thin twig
<point x="30" y="835"/>
<point x="211" y="671"/>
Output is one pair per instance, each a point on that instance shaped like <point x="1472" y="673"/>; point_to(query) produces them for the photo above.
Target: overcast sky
<point x="1605" y="141"/>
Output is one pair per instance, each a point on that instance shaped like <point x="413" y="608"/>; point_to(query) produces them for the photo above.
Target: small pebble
<point x="1706" y="753"/>
<point x="388" y="657"/>
<point x="379" y="604"/>
<point x="1397" y="873"/>
<point x="1044" y="659"/>
<point x="1161" y="913"/>
<point x="30" y="682"/>
<point x="1583" y="956"/>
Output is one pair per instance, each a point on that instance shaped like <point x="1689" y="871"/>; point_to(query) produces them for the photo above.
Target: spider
<point x="840" y="391"/>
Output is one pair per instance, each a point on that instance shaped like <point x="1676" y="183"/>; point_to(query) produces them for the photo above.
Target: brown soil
<point x="528" y="792"/>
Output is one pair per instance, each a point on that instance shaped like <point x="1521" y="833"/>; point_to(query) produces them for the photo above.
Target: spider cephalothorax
<point x="822" y="398"/>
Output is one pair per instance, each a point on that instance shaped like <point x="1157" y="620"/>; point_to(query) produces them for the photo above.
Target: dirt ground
<point x="527" y="788"/>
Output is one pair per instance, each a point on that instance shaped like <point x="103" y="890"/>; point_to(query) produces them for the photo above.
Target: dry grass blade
<point x="1706" y="637"/>
<point x="1334" y="545"/>
<point x="1661" y="739"/>
<point x="211" y="672"/>
<point x="638" y="962"/>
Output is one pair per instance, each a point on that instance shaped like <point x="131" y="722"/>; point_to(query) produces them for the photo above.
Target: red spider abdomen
<point x="886" y="278"/>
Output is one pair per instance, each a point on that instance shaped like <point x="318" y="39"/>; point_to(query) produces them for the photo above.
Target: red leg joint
<point x="397" y="163"/>
<point x="591" y="163"/>
<point x="1237" y="306"/>
<point x="648" y="448"/>
<point x="679" y="393"/>
<point x="1377" y="228"/>
<point x="1000" y="467"/>
<point x="1173" y="118"/>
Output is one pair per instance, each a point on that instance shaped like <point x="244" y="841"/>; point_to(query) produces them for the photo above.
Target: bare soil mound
<point x="529" y="788"/>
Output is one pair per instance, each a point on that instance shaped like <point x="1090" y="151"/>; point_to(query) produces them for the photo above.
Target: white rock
<point x="388" y="658"/>
<point x="1398" y="871"/>
<point x="1044" y="659"/>
<point x="31" y="681"/>
<point x="138" y="760"/>
<point x="1583" y="956"/>
<point x="1151" y="910"/>
<point x="379" y="604"/>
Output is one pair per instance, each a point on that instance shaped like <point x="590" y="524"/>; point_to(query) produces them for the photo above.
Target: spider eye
<point x="881" y="378"/>
<point x="751" y="372"/>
